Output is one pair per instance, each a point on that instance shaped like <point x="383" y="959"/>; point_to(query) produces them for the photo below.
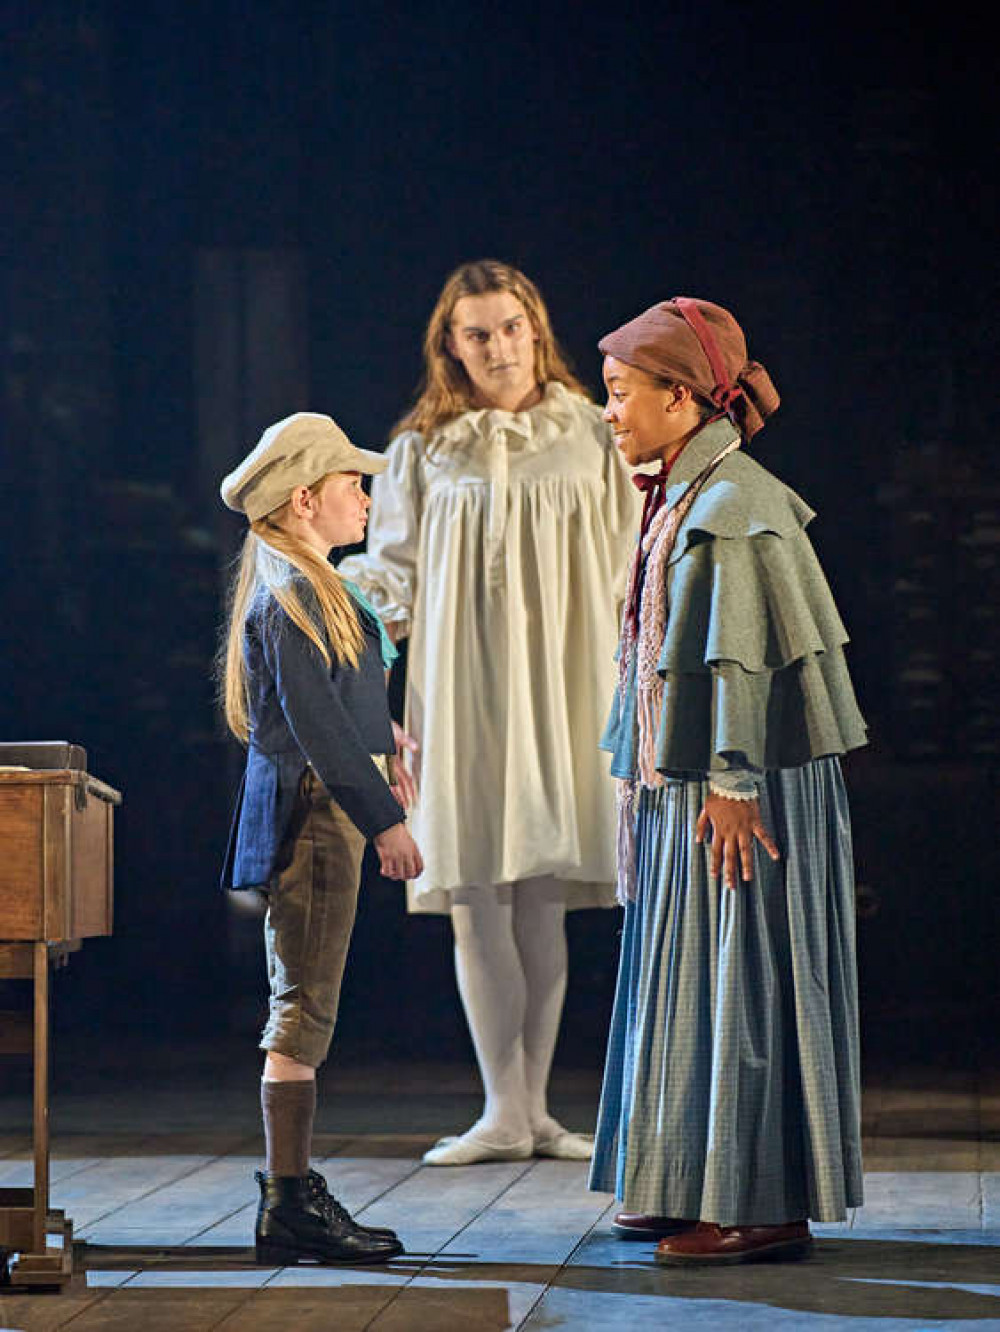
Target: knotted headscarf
<point x="699" y="344"/>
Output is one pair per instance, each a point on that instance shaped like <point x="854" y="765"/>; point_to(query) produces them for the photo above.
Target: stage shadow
<point x="863" y="1278"/>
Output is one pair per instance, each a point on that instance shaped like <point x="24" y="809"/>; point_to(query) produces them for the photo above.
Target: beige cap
<point x="297" y="451"/>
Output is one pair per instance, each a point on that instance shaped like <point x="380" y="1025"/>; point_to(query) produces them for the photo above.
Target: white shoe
<point x="469" y="1148"/>
<point x="566" y="1146"/>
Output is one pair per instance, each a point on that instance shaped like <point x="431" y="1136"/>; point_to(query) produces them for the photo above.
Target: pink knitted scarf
<point x="643" y="647"/>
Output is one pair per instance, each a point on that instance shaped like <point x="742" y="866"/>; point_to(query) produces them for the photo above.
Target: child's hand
<point x="405" y="786"/>
<point x="398" y="854"/>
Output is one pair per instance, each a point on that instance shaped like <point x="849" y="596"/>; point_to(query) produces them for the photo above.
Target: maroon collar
<point x="654" y="487"/>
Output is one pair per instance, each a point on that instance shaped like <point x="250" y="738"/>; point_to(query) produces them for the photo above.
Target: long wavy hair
<point x="268" y="564"/>
<point x="446" y="390"/>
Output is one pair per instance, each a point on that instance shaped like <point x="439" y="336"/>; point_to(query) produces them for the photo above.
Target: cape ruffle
<point x="753" y="655"/>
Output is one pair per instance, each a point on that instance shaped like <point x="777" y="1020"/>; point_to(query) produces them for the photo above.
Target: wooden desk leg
<point x="41" y="1104"/>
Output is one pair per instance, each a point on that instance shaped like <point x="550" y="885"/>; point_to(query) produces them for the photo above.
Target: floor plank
<point x="961" y="1153"/>
<point x="135" y="1308"/>
<point x="124" y="1203"/>
<point x="432" y="1205"/>
<point x="70" y="1154"/>
<point x="990" y="1182"/>
<point x="317" y="1299"/>
<point x="496" y="1269"/>
<point x="910" y="1199"/>
<point x="494" y="1300"/>
<point x="539" y="1219"/>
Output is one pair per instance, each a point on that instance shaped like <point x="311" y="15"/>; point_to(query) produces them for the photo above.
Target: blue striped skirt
<point x="732" y="1085"/>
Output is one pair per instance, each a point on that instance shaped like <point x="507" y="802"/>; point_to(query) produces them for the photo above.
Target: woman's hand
<point x="405" y="786"/>
<point x="398" y="854"/>
<point x="734" y="825"/>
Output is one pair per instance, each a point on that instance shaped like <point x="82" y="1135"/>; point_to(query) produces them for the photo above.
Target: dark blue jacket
<point x="302" y="711"/>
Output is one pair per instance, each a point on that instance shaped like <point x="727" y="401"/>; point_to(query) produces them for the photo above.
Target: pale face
<point x="649" y="421"/>
<point x="493" y="338"/>
<point x="335" y="515"/>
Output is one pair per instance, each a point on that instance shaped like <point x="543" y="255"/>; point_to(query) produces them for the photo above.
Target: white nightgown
<point x="501" y="546"/>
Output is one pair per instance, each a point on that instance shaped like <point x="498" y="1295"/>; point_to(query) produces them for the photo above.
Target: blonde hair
<point x="446" y="391"/>
<point x="269" y="561"/>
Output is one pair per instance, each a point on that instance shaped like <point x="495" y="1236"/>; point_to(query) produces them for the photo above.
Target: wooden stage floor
<point x="163" y="1216"/>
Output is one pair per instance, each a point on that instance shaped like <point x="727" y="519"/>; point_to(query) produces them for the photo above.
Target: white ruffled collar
<point x="554" y="413"/>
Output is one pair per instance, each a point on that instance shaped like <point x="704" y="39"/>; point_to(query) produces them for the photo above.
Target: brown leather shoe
<point x="635" y="1226"/>
<point x="707" y="1243"/>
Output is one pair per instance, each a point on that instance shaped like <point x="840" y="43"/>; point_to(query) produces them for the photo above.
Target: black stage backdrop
<point x="219" y="214"/>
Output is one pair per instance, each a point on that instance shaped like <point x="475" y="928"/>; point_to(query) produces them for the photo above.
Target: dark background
<point x="219" y="214"/>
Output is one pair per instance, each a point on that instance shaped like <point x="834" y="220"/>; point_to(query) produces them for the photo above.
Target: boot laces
<point x="331" y="1208"/>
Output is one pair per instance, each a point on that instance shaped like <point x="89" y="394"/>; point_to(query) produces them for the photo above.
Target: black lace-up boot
<point x="294" y="1223"/>
<point x="319" y="1189"/>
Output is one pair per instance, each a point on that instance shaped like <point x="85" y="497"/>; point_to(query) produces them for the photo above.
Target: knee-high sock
<point x="289" y="1109"/>
<point x="492" y="986"/>
<point x="540" y="935"/>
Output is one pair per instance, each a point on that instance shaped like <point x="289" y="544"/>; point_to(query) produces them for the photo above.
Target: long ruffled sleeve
<point x="387" y="572"/>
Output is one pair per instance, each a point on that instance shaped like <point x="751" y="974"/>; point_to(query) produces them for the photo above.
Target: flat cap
<point x="297" y="451"/>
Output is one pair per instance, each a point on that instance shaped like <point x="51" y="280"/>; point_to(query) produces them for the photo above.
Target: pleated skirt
<point x="732" y="1084"/>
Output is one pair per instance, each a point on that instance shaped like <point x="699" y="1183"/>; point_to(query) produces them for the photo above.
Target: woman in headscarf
<point x="499" y="542"/>
<point x="730" y="1113"/>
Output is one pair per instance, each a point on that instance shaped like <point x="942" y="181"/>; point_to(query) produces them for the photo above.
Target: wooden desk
<point x="56" y="877"/>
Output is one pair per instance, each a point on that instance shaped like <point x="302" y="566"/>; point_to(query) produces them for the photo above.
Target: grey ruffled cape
<point x="753" y="655"/>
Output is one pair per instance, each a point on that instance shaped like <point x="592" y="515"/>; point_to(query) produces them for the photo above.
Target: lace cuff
<point x="733" y="784"/>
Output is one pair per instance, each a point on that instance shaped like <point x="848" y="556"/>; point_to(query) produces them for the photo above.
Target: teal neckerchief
<point x="389" y="653"/>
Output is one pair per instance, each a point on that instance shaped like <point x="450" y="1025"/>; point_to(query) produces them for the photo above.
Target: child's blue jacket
<point x="304" y="712"/>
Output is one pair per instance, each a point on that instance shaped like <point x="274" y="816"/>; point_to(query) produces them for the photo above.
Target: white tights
<point x="510" y="959"/>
